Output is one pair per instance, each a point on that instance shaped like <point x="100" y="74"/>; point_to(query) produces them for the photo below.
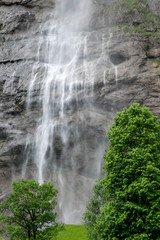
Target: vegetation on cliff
<point x="143" y="20"/>
<point x="126" y="201"/>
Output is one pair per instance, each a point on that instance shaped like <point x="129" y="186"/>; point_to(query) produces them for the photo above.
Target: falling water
<point x="67" y="87"/>
<point x="116" y="73"/>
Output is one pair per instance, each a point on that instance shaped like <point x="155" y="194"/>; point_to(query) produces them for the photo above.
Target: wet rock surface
<point x="127" y="70"/>
<point x="20" y="31"/>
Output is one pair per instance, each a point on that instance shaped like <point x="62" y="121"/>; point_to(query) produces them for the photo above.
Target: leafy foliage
<point x="130" y="200"/>
<point x="28" y="211"/>
<point x="93" y="208"/>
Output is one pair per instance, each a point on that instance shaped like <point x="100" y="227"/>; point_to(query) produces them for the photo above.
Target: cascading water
<point x="66" y="91"/>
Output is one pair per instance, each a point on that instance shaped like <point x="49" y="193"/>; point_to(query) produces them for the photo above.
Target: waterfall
<point x="116" y="73"/>
<point x="62" y="138"/>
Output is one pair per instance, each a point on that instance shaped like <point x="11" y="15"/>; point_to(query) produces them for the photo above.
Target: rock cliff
<point x="20" y="29"/>
<point x="123" y="44"/>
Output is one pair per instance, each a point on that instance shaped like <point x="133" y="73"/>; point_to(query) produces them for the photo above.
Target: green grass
<point x="72" y="232"/>
<point x="154" y="60"/>
<point x="133" y="4"/>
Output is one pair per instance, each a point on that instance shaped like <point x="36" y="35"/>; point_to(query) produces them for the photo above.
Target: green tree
<point x="93" y="208"/>
<point x="129" y="205"/>
<point x="28" y="211"/>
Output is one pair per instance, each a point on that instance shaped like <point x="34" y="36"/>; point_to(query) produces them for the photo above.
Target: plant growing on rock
<point x="130" y="197"/>
<point x="28" y="211"/>
<point x="141" y="18"/>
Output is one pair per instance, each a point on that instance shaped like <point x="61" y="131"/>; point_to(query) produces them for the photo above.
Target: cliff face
<point x="122" y="45"/>
<point x="20" y="30"/>
<point x="134" y="49"/>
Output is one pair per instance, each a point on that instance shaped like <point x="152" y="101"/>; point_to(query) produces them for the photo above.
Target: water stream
<point x="66" y="91"/>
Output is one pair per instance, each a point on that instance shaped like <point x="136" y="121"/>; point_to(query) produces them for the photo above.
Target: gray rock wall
<point x="21" y="27"/>
<point x="154" y="6"/>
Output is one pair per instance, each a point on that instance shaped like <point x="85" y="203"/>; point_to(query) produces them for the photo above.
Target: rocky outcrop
<point x="28" y="3"/>
<point x="154" y="6"/>
<point x="126" y="56"/>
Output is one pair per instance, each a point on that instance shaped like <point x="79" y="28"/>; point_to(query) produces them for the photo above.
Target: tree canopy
<point x="128" y="197"/>
<point x="28" y="211"/>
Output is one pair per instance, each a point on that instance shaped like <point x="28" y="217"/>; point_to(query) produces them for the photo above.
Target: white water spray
<point x="116" y="73"/>
<point x="67" y="86"/>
